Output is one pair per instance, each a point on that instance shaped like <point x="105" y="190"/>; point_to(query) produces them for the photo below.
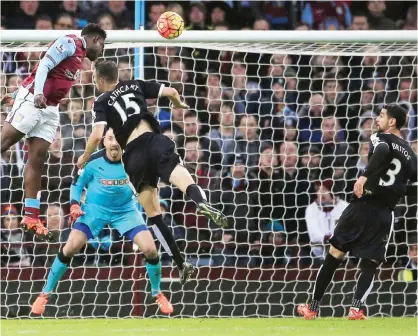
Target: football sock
<point x="58" y="268"/>
<point x="166" y="238"/>
<point x="364" y="282"/>
<point x="32" y="206"/>
<point x="324" y="277"/>
<point x="196" y="193"/>
<point x="153" y="267"/>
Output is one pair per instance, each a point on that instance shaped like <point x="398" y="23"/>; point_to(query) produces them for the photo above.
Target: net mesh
<point x="267" y="123"/>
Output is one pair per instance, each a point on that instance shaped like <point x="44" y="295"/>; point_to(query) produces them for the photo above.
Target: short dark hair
<point x="94" y="29"/>
<point x="190" y="113"/>
<point x="191" y="139"/>
<point x="44" y="17"/>
<point x="61" y="15"/>
<point x="228" y="104"/>
<point x="107" y="69"/>
<point x="397" y="112"/>
<point x="360" y="14"/>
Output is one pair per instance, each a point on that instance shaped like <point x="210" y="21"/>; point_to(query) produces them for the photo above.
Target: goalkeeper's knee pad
<point x="63" y="258"/>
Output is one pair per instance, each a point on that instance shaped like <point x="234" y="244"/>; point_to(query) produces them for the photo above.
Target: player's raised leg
<point x="182" y="179"/>
<point x="323" y="279"/>
<point x="148" y="198"/>
<point x="76" y="241"/>
<point x="146" y="243"/>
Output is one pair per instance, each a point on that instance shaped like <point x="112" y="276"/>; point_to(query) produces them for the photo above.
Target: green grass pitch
<point x="211" y="327"/>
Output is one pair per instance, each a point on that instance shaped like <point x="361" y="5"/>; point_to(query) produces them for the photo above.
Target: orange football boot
<point x="164" y="304"/>
<point x="304" y="310"/>
<point x="356" y="315"/>
<point x="38" y="307"/>
<point x="36" y="226"/>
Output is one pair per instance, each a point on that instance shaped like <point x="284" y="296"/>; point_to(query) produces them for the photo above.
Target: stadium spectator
<point x="277" y="13"/>
<point x="321" y="217"/>
<point x="236" y="205"/>
<point x="123" y="17"/>
<point x="197" y="17"/>
<point x="310" y="160"/>
<point x="209" y="102"/>
<point x="410" y="22"/>
<point x="310" y="118"/>
<point x="407" y="97"/>
<point x="336" y="101"/>
<point x="178" y="77"/>
<point x="13" y="83"/>
<point x="17" y="254"/>
<point x="125" y="69"/>
<point x="107" y="22"/>
<point x="43" y="22"/>
<point x="363" y="157"/>
<point x="192" y="127"/>
<point x="409" y="274"/>
<point x="176" y="8"/>
<point x="57" y="174"/>
<point x="266" y="185"/>
<point x="218" y="13"/>
<point x="73" y="131"/>
<point x="377" y="18"/>
<point x="55" y="222"/>
<point x="64" y="21"/>
<point x="360" y="22"/>
<point x="296" y="191"/>
<point x="326" y="15"/>
<point x="157" y="8"/>
<point x="157" y="63"/>
<point x="247" y="141"/>
<point x="338" y="159"/>
<point x="25" y="17"/>
<point x="197" y="227"/>
<point x="224" y="135"/>
<point x="366" y="126"/>
<point x="261" y="24"/>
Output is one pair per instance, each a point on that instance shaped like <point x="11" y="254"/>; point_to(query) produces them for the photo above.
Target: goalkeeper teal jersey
<point x="106" y="182"/>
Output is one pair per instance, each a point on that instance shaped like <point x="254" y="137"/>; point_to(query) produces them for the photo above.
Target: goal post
<point x="277" y="87"/>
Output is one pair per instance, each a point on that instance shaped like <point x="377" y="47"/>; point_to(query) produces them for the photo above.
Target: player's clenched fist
<point x="39" y="101"/>
<point x="75" y="212"/>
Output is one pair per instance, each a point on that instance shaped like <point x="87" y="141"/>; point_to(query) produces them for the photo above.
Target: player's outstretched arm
<point x="61" y="49"/>
<point x="174" y="97"/>
<point x="93" y="142"/>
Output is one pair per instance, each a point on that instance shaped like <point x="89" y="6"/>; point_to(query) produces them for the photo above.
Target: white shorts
<point x="31" y="121"/>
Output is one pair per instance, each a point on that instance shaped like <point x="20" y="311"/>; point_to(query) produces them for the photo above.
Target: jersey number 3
<point x="391" y="173"/>
<point x="128" y="104"/>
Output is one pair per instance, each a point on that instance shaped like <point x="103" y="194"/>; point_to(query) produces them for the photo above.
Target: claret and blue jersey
<point x="109" y="197"/>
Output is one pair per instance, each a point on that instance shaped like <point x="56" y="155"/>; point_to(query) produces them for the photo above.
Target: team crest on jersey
<point x="72" y="76"/>
<point x="60" y="48"/>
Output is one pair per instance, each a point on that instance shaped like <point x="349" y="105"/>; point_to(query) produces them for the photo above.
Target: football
<point x="170" y="25"/>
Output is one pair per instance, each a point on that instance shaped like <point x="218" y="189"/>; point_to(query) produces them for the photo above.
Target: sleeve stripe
<point x="51" y="59"/>
<point x="100" y="123"/>
<point x="160" y="92"/>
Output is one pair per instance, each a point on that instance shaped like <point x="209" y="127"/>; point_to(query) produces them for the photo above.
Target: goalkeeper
<point x="109" y="200"/>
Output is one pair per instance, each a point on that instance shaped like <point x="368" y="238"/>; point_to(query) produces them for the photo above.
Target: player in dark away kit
<point x="365" y="226"/>
<point x="148" y="154"/>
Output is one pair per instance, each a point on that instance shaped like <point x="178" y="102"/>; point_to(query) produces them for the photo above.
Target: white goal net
<point x="276" y="134"/>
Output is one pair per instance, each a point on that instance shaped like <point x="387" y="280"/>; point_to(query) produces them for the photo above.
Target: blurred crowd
<point x="276" y="141"/>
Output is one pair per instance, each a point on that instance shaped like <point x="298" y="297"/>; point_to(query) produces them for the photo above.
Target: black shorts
<point x="149" y="157"/>
<point x="364" y="230"/>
